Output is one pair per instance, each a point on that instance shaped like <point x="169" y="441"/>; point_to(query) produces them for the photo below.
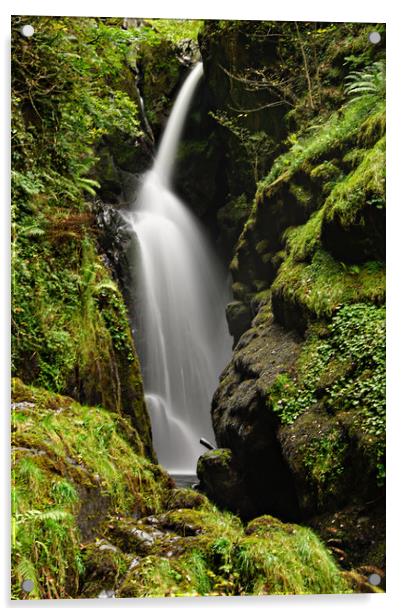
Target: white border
<point x="308" y="10"/>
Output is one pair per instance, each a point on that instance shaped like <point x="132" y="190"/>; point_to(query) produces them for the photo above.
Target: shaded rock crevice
<point x="243" y="424"/>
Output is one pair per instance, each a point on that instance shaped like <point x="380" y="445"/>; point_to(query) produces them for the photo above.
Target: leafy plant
<point x="369" y="82"/>
<point x="347" y="371"/>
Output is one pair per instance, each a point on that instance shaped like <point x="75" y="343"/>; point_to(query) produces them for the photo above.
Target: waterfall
<point x="182" y="292"/>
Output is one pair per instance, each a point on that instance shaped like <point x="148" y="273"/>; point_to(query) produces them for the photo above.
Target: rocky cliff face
<point x="299" y="412"/>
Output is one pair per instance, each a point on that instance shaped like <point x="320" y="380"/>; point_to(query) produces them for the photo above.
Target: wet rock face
<point x="117" y="245"/>
<point x="223" y="481"/>
<point x="243" y="423"/>
<point x="238" y="315"/>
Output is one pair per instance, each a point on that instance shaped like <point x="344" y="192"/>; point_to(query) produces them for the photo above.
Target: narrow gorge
<point x="198" y="253"/>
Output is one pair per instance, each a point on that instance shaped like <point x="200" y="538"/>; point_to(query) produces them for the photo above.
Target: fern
<point x="367" y="82"/>
<point x="88" y="185"/>
<point x="26" y="570"/>
<point x="105" y="284"/>
<point x="56" y="515"/>
<point x="32" y="231"/>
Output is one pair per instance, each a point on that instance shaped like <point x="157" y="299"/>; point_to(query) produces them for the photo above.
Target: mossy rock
<point x="130" y="535"/>
<point x="240" y="417"/>
<point x="72" y="466"/>
<point x="320" y="457"/>
<point x="82" y="341"/>
<point x="105" y="566"/>
<point x="185" y="498"/>
<point x="157" y="576"/>
<point x="305" y="291"/>
<point x="266" y="524"/>
<point x="222" y="480"/>
<point x="354" y="220"/>
<point x="277" y="558"/>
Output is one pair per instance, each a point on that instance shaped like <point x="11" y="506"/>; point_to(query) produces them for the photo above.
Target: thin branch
<point x="267" y="106"/>
<point x="305" y="66"/>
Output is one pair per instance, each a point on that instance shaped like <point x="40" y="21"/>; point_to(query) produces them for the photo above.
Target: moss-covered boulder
<point x="72" y="467"/>
<point x="104" y="566"/>
<point x="223" y="481"/>
<point x="218" y="557"/>
<point x="271" y="547"/>
<point x="185" y="498"/>
<point x="243" y="425"/>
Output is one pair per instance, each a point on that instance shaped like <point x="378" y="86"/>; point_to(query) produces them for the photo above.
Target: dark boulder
<point x="242" y="421"/>
<point x="223" y="482"/>
<point x="238" y="315"/>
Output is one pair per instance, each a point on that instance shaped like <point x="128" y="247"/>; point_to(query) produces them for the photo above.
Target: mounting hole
<point x="27" y="30"/>
<point x="27" y="585"/>
<point x="374" y="37"/>
<point x="374" y="579"/>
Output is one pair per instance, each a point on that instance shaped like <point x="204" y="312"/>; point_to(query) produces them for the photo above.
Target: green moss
<point x="222" y="457"/>
<point x="301" y="194"/>
<point x="325" y="284"/>
<point x="161" y="577"/>
<point x="287" y="400"/>
<point x="373" y="128"/>
<point x="323" y="459"/>
<point x="105" y="566"/>
<point x="209" y="522"/>
<point x="342" y="128"/>
<point x="346" y="370"/>
<point x="281" y="558"/>
<point x="304" y="240"/>
<point x="270" y="558"/>
<point x="61" y="448"/>
<point x="71" y="332"/>
<point x="185" y="498"/>
<point x="363" y="187"/>
<point x="327" y="171"/>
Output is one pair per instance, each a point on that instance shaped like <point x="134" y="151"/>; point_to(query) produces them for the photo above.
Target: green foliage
<point x="287" y="400"/>
<point x="68" y="319"/>
<point x="359" y="332"/>
<point x="363" y="187"/>
<point x="62" y="449"/>
<point x="286" y="559"/>
<point x="346" y="369"/>
<point x="369" y="82"/>
<point x="174" y="30"/>
<point x="60" y="115"/>
<point x="323" y="460"/>
<point x="304" y="240"/>
<point x="85" y="451"/>
<point x="268" y="557"/>
<point x="322" y="286"/>
<point x="339" y="130"/>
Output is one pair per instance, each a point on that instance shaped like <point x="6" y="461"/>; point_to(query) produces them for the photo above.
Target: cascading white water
<point x="182" y="293"/>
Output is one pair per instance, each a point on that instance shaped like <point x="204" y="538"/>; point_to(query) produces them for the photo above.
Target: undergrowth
<point x="62" y="451"/>
<point x="346" y="370"/>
